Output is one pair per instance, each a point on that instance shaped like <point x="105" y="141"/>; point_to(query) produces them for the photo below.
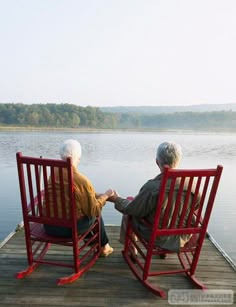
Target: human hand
<point x="113" y="197"/>
<point x="109" y="193"/>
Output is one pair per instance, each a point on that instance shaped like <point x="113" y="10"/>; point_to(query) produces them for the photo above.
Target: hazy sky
<point x="118" y="52"/>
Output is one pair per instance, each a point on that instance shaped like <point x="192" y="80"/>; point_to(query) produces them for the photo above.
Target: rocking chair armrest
<point x="130" y="198"/>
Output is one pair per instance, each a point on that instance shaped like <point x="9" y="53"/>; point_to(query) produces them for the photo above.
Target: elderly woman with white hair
<point x="88" y="203"/>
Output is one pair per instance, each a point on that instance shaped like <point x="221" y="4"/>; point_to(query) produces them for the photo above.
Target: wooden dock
<point x="108" y="283"/>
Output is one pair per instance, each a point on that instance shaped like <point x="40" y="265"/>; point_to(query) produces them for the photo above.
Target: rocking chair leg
<point x="68" y="279"/>
<point x="196" y="282"/>
<point x="149" y="286"/>
<point x="26" y="272"/>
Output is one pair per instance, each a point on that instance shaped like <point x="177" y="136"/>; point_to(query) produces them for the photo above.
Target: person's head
<point x="72" y="149"/>
<point x="168" y="153"/>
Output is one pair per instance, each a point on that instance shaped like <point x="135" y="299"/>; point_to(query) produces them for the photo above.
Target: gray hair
<point x="71" y="148"/>
<point x="169" y="153"/>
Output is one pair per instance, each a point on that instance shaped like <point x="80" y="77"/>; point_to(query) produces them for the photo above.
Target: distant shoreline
<point x="83" y="129"/>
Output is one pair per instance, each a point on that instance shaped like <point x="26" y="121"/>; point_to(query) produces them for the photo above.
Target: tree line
<point x="53" y="115"/>
<point x="73" y="116"/>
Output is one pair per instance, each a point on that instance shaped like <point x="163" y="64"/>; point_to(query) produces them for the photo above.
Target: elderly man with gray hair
<point x="88" y="203"/>
<point x="143" y="205"/>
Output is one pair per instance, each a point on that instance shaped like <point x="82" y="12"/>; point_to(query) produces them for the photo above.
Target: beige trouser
<point x="123" y="228"/>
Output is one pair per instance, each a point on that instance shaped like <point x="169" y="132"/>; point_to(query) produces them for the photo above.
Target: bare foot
<point x="106" y="250"/>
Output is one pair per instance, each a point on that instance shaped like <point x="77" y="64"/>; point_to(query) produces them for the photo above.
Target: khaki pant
<point x="123" y="227"/>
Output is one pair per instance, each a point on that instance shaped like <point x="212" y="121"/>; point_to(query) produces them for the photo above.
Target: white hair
<point x="71" y="148"/>
<point x="169" y="153"/>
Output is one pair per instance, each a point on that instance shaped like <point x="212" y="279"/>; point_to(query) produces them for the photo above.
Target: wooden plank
<point x="108" y="283"/>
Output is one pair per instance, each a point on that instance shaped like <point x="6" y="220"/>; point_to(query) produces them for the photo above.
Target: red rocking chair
<point x="35" y="174"/>
<point x="179" y="217"/>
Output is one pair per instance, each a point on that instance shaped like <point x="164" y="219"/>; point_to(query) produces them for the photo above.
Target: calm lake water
<point x="124" y="161"/>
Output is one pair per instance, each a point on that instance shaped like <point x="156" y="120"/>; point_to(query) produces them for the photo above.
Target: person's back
<point x="88" y="203"/>
<point x="144" y="204"/>
<point x="57" y="190"/>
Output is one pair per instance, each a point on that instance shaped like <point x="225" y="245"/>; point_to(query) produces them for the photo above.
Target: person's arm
<point x="94" y="203"/>
<point x="86" y="197"/>
<point x="140" y="206"/>
<point x="143" y="204"/>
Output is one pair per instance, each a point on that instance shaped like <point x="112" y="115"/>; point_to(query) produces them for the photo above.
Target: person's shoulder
<point x="152" y="184"/>
<point x="80" y="178"/>
<point x="154" y="180"/>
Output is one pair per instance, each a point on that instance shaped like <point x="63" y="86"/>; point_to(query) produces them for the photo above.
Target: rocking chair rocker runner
<point x="36" y="177"/>
<point x="189" y="197"/>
